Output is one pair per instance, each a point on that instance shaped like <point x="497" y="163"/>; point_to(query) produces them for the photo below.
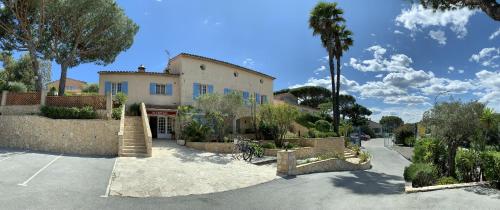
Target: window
<point x="261" y="81"/>
<point x="116" y="88"/>
<point x="170" y="125"/>
<point x="160" y="89"/>
<point x="235" y="74"/>
<point x="263" y="99"/>
<point x="203" y="89"/>
<point x="202" y="67"/>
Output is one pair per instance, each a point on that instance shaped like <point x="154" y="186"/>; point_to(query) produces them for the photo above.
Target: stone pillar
<point x="43" y="97"/>
<point x="287" y="163"/>
<point x="109" y="105"/>
<point x="4" y="98"/>
<point x="234" y="126"/>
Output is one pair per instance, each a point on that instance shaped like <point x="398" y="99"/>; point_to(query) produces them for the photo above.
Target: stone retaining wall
<point x="214" y="147"/>
<point x="78" y="137"/>
<point x="330" y="165"/>
<point x="20" y="110"/>
<point x="301" y="152"/>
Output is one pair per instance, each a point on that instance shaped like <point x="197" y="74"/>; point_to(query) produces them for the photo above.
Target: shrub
<point x="446" y="180"/>
<point x="195" y="131"/>
<point x="322" y="126"/>
<point x="364" y="156"/>
<point x="313" y="133"/>
<point x="92" y="88"/>
<point x="368" y="131"/>
<point x="17" y="87"/>
<point x="134" y="109"/>
<point x="120" y="98"/>
<point x="490" y="164"/>
<point x="410" y="141"/>
<point x="467" y="163"/>
<point x="307" y="119"/>
<point x="356" y="149"/>
<point x="269" y="145"/>
<point x="403" y="132"/>
<point x="68" y="113"/>
<point x="430" y="150"/>
<point x="290" y="146"/>
<point x="421" y="174"/>
<point x="268" y="132"/>
<point x="116" y="113"/>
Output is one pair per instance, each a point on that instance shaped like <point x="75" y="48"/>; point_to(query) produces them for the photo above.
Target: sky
<point x="405" y="58"/>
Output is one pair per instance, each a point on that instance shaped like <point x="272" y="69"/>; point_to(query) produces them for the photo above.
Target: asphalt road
<point x="78" y="182"/>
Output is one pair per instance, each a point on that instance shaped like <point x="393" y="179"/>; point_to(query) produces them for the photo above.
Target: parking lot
<point x="30" y="177"/>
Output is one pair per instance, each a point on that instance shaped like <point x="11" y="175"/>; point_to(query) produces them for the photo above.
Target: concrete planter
<point x="181" y="142"/>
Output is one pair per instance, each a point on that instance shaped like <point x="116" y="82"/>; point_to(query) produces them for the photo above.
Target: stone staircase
<point x="134" y="144"/>
<point x="349" y="154"/>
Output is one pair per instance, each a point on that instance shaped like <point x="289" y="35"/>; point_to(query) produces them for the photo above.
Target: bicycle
<point x="245" y="149"/>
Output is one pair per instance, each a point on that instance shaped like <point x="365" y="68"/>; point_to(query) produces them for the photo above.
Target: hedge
<point x="490" y="164"/>
<point x="68" y="113"/>
<point x="421" y="174"/>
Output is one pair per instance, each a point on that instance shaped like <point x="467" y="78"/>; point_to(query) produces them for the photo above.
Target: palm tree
<point x="324" y="18"/>
<point x="343" y="40"/>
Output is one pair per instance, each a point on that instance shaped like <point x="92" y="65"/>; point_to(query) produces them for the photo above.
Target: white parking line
<point x="24" y="184"/>
<point x="106" y="194"/>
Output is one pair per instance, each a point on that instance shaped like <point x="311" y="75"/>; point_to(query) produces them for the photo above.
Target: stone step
<point x="133" y="136"/>
<point x="134" y="144"/>
<point x="133" y="155"/>
<point x="130" y="140"/>
<point x="134" y="150"/>
<point x="140" y="147"/>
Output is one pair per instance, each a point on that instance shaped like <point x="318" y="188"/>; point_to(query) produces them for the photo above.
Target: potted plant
<point x="181" y="142"/>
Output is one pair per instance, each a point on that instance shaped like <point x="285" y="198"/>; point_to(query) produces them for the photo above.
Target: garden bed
<point x="410" y="189"/>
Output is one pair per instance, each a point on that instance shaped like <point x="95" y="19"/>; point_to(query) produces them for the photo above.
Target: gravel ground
<point x="406" y="152"/>
<point x="175" y="170"/>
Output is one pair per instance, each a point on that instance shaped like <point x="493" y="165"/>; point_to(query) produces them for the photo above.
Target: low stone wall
<point x="301" y="152"/>
<point x="214" y="147"/>
<point x="78" y="137"/>
<point x="19" y="110"/>
<point x="287" y="165"/>
<point x="330" y="165"/>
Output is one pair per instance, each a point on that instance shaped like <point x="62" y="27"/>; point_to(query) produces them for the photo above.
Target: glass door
<point x="162" y="128"/>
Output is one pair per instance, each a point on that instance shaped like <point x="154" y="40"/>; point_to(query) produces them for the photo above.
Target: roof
<point x="221" y="62"/>
<point x="67" y="78"/>
<point x="137" y="72"/>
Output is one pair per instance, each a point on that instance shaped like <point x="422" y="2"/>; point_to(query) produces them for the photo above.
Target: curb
<point x="410" y="189"/>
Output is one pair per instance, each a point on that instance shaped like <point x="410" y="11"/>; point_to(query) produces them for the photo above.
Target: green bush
<point x="467" y="163"/>
<point x="446" y="180"/>
<point x="411" y="172"/>
<point x="322" y="126"/>
<point x="410" y="141"/>
<point x="368" y="131"/>
<point x="430" y="150"/>
<point x="68" y="113"/>
<point x="196" y="132"/>
<point x="425" y="178"/>
<point x="313" y="133"/>
<point x="91" y="88"/>
<point x="17" y="87"/>
<point x="269" y="145"/>
<point x="364" y="156"/>
<point x="134" y="109"/>
<point x="490" y="164"/>
<point x="116" y="113"/>
<point x="120" y="99"/>
<point x="307" y="119"/>
<point x="403" y="132"/>
<point x="290" y="146"/>
<point x="268" y="132"/>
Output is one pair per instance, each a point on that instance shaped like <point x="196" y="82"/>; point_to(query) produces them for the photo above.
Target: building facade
<point x="188" y="77"/>
<point x="73" y="86"/>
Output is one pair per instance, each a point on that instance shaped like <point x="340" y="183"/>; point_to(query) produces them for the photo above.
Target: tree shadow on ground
<point x="484" y="190"/>
<point x="369" y="182"/>
<point x="186" y="154"/>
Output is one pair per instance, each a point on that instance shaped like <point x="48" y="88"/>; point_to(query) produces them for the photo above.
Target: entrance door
<point x="162" y="128"/>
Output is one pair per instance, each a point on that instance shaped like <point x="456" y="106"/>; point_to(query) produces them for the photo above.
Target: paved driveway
<point x="176" y="170"/>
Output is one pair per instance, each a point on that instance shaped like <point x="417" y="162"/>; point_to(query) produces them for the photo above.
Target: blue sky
<point x="403" y="55"/>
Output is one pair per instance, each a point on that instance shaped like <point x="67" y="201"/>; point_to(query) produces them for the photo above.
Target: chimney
<point x="141" y="68"/>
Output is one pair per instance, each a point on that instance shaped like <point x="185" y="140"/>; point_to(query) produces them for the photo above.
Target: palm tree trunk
<point x="337" y="99"/>
<point x="332" y="77"/>
<point x="62" y="80"/>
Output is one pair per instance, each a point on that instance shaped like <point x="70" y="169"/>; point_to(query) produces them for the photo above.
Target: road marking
<point x="106" y="194"/>
<point x="24" y="184"/>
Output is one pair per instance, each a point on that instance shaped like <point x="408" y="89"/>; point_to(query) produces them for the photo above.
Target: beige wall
<point x="220" y="76"/>
<point x="138" y="87"/>
<point x="80" y="137"/>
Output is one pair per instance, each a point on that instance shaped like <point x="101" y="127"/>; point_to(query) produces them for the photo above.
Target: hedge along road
<point x="378" y="188"/>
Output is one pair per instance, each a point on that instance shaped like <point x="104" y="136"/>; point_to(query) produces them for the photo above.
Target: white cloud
<point x="320" y="69"/>
<point x="487" y="57"/>
<point x="379" y="75"/>
<point x="460" y="71"/>
<point x="445" y="85"/>
<point x="417" y="17"/>
<point x="346" y="85"/>
<point x="489" y="81"/>
<point x="495" y="34"/>
<point x="439" y="36"/>
<point x="248" y="62"/>
<point x="451" y="69"/>
<point x="408" y="79"/>
<point x="409" y="114"/>
<point x="398" y="32"/>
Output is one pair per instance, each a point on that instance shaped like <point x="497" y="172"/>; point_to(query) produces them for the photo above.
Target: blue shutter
<point x="210" y="89"/>
<point x="107" y="87"/>
<point x="152" y="88"/>
<point x="226" y="91"/>
<point x="125" y="87"/>
<point x="169" y="89"/>
<point x="257" y="98"/>
<point x="245" y="96"/>
<point x="264" y="99"/>
<point x="196" y="90"/>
